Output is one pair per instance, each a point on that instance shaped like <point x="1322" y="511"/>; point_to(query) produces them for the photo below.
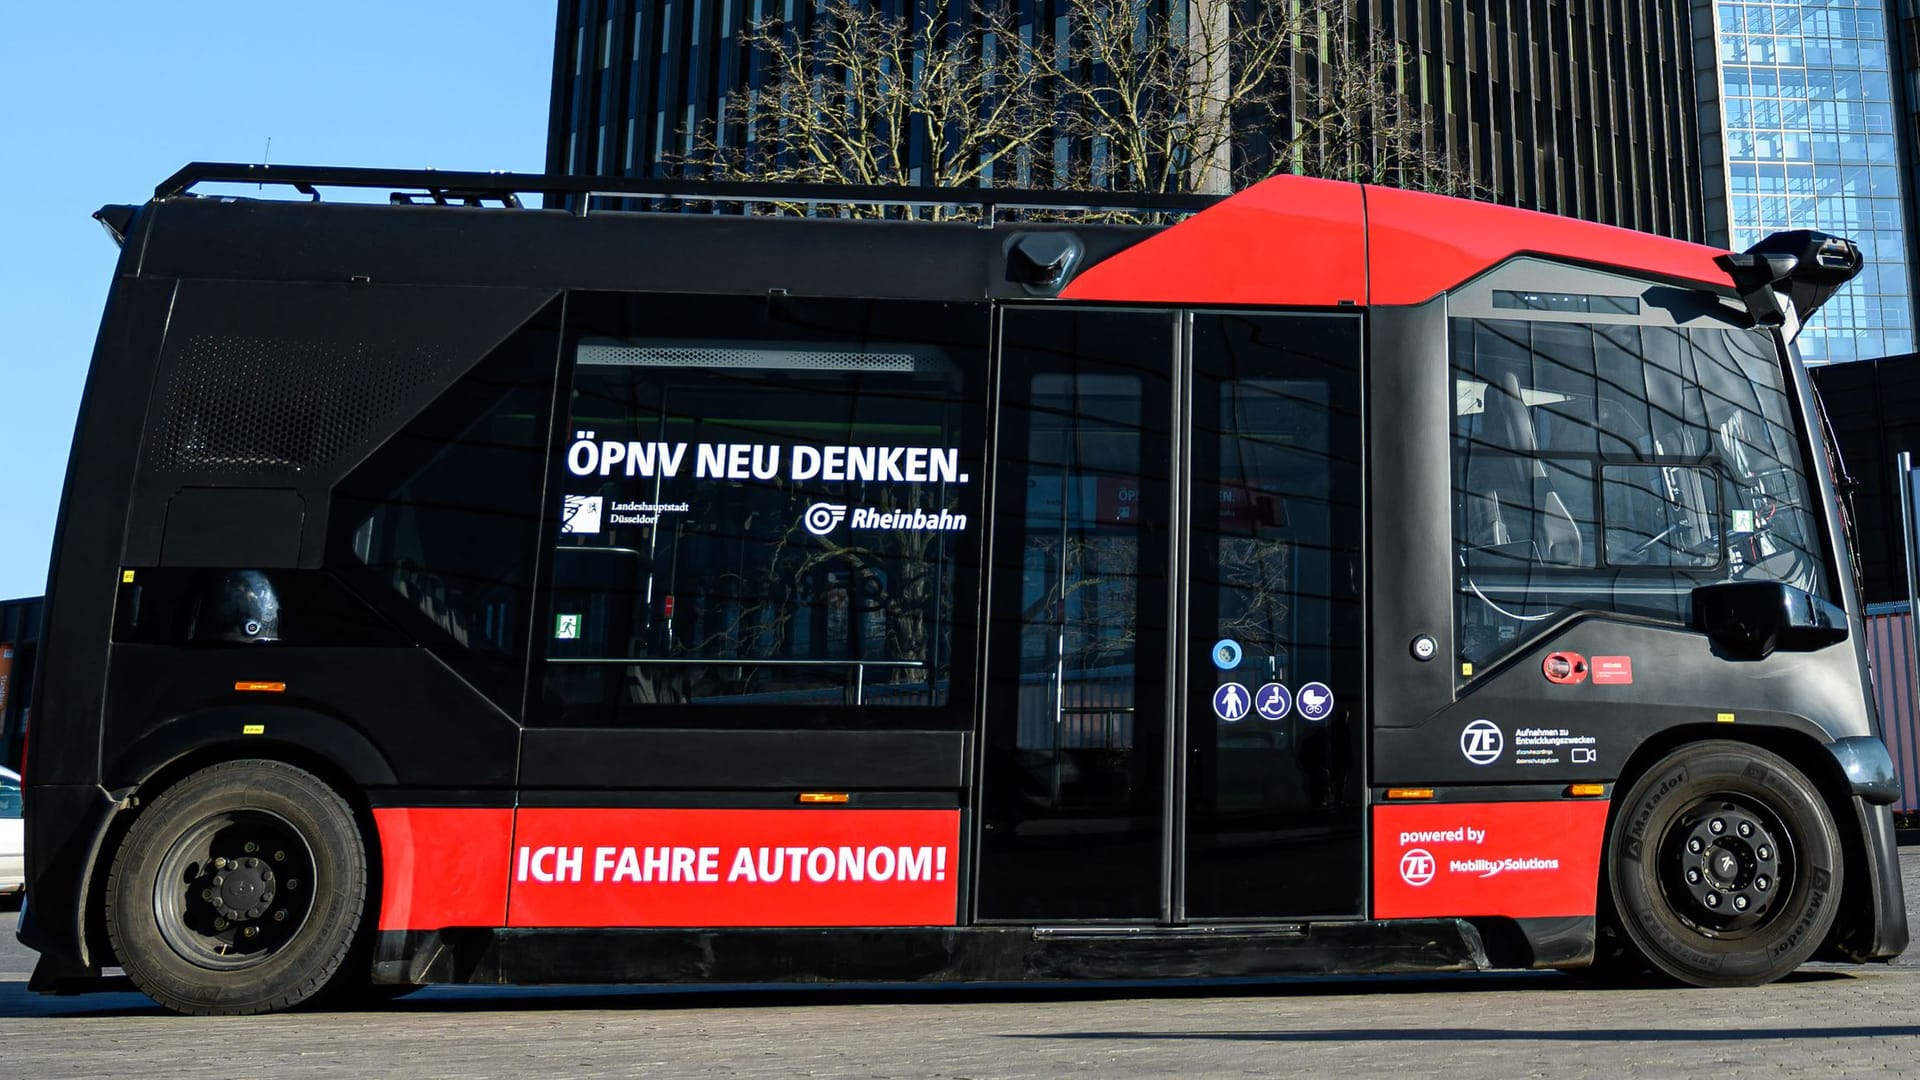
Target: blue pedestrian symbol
<point x="1316" y="701"/>
<point x="1230" y="702"/>
<point x="1226" y="654"/>
<point x="1273" y="702"/>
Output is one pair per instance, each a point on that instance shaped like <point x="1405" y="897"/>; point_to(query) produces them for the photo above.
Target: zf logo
<point x="1481" y="742"/>
<point x="822" y="517"/>
<point x="1417" y="867"/>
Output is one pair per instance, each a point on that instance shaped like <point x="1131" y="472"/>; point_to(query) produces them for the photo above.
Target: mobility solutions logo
<point x="1487" y="868"/>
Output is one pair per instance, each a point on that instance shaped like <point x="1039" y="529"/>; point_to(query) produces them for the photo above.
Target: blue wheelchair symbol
<point x="1272" y="702"/>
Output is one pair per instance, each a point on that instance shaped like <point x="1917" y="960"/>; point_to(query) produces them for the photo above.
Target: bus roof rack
<point x="473" y="188"/>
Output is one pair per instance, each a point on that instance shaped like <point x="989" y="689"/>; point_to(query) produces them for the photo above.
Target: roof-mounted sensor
<point x="1792" y="273"/>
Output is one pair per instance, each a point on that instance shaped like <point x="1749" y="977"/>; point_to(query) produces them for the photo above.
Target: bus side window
<point x="770" y="508"/>
<point x="1614" y="467"/>
<point x="438" y="527"/>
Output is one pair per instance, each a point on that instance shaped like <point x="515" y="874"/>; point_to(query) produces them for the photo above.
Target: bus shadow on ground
<point x="16" y="1001"/>
<point x="461" y="999"/>
<point x="1484" y="1035"/>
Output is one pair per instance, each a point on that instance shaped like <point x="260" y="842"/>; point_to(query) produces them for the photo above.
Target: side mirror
<point x="1753" y="618"/>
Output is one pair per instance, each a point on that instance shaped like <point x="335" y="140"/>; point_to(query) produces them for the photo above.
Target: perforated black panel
<point x="238" y="403"/>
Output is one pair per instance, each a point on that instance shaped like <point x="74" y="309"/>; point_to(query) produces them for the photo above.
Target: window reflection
<point x="1615" y="467"/>
<point x="771" y="519"/>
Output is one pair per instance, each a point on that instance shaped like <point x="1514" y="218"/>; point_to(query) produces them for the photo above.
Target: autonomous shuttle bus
<point x="1335" y="579"/>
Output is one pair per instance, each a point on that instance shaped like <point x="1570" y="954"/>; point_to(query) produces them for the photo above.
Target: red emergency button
<point x="1565" y="668"/>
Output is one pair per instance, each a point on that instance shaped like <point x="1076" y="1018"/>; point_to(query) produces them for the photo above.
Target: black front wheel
<point x="239" y="891"/>
<point x="1724" y="865"/>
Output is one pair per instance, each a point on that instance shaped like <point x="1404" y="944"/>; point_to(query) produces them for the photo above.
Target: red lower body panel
<point x="1520" y="859"/>
<point x="443" y="867"/>
<point x="668" y="868"/>
<point x="736" y="868"/>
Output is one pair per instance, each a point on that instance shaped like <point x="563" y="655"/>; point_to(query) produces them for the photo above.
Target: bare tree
<point x="1212" y="97"/>
<point x="1162" y="103"/>
<point x="1152" y="104"/>
<point x="1353" y="122"/>
<point x="946" y="97"/>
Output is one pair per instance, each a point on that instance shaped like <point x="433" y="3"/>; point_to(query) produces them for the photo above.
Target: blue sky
<point x="101" y="101"/>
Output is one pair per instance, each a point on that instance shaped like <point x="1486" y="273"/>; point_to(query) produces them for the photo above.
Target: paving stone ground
<point x="1826" y="1020"/>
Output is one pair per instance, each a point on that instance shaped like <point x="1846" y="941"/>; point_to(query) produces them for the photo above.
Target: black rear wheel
<point x="1724" y="865"/>
<point x="240" y="890"/>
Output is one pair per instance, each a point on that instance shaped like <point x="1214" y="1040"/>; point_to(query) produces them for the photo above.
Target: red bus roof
<point x="1292" y="240"/>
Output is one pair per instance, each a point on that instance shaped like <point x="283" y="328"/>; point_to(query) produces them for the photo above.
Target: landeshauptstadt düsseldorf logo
<point x="1481" y="742"/>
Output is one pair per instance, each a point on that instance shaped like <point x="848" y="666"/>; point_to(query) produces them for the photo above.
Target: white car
<point x="13" y="836"/>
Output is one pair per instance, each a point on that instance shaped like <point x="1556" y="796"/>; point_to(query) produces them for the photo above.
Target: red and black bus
<point x="1337" y="579"/>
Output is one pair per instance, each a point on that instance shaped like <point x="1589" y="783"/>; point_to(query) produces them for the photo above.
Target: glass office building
<point x="1807" y="94"/>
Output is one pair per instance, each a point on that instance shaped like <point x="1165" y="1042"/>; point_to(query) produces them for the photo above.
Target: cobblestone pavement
<point x="1824" y="1020"/>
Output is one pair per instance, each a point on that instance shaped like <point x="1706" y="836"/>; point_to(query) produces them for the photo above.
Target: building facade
<point x="1576" y="107"/>
<point x="19" y="645"/>
<point x="1801" y="122"/>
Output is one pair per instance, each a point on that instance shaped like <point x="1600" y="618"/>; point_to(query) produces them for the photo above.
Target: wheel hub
<point x="1729" y="862"/>
<point x="243" y="889"/>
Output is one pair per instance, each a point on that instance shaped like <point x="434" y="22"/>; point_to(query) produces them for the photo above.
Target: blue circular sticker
<point x="1226" y="654"/>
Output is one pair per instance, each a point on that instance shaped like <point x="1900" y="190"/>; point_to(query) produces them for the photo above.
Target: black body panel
<point x="63" y="840"/>
<point x="590" y="759"/>
<point x="1793" y="691"/>
<point x="68" y="822"/>
<point x="1411" y="402"/>
<point x="168" y="701"/>
<point x="614" y="252"/>
<point x="273" y="392"/>
<point x="979" y="954"/>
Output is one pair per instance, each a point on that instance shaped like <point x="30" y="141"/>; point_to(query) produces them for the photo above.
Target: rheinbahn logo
<point x="822" y="517"/>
